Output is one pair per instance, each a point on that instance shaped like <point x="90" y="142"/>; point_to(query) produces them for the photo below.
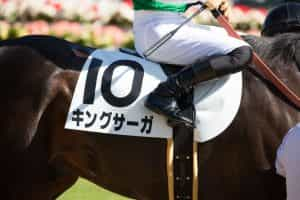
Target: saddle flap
<point x="110" y="93"/>
<point x="112" y="87"/>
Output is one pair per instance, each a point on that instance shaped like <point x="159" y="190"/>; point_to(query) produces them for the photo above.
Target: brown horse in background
<point x="40" y="159"/>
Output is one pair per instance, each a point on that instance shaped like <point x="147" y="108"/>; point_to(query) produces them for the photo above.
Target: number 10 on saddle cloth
<point x="112" y="87"/>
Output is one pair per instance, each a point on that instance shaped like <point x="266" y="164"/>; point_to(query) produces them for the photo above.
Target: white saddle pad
<point x="111" y="90"/>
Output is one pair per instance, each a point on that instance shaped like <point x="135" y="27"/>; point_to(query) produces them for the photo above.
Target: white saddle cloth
<point x="217" y="101"/>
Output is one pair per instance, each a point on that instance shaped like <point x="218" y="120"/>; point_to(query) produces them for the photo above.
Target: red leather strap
<point x="262" y="66"/>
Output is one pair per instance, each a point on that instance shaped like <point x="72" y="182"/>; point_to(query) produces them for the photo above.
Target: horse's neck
<point x="279" y="54"/>
<point x="259" y="44"/>
<point x="269" y="105"/>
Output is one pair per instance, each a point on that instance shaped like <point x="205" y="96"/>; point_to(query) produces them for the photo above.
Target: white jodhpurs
<point x="288" y="162"/>
<point x="192" y="42"/>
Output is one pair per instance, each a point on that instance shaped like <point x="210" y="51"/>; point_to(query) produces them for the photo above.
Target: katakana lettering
<point x="77" y="116"/>
<point x="91" y="123"/>
<point x="147" y="124"/>
<point x="119" y="120"/>
<point x="132" y="123"/>
<point x="108" y="118"/>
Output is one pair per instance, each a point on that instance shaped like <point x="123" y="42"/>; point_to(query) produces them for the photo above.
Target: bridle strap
<point x="261" y="65"/>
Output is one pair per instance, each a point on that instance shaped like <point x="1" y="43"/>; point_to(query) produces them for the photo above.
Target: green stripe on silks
<point x="159" y="6"/>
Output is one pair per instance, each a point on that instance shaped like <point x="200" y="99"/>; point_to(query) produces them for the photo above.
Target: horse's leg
<point x="61" y="177"/>
<point x="68" y="152"/>
<point x="24" y="97"/>
<point x="58" y="177"/>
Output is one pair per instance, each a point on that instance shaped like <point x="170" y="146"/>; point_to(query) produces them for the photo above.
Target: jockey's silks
<point x="163" y="5"/>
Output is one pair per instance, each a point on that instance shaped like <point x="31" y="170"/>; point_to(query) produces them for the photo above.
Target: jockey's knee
<point x="235" y="61"/>
<point x="241" y="56"/>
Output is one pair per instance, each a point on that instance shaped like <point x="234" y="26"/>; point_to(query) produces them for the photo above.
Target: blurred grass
<point x="85" y="190"/>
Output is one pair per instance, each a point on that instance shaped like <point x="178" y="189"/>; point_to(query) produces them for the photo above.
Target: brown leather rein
<point x="261" y="65"/>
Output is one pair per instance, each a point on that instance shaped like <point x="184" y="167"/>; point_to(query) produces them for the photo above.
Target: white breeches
<point x="288" y="162"/>
<point x="192" y="42"/>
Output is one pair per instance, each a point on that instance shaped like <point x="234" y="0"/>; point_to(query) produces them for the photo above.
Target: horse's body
<point x="40" y="160"/>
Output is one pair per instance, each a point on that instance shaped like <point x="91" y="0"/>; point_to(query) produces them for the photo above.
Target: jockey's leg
<point x="208" y="51"/>
<point x="163" y="99"/>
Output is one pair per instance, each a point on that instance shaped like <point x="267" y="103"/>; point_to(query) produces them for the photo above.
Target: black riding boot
<point x="163" y="100"/>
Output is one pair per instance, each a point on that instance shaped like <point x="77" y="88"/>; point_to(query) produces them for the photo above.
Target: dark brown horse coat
<point x="40" y="160"/>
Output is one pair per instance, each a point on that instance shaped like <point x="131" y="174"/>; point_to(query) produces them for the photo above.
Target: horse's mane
<point x="282" y="50"/>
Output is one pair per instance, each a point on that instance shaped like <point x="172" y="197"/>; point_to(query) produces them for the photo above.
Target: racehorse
<point x="40" y="159"/>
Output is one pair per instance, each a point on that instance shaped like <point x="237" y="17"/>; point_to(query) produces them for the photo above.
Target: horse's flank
<point x="239" y="164"/>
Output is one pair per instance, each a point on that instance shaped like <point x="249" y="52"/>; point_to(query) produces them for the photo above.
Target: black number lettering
<point x="136" y="85"/>
<point x="90" y="85"/>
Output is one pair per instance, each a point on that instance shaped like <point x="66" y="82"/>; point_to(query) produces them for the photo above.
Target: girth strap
<point x="183" y="163"/>
<point x="184" y="175"/>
